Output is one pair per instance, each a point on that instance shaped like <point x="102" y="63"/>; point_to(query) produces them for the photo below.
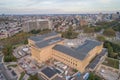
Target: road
<point x="1" y="56"/>
<point x="119" y="65"/>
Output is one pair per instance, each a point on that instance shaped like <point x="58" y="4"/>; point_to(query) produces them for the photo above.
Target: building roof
<point x="93" y="64"/>
<point x="80" y="52"/>
<point x="87" y="46"/>
<point x="49" y="72"/>
<point x="48" y="42"/>
<point x="42" y="37"/>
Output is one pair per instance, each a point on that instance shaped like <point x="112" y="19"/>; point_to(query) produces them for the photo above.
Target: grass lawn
<point x="116" y="41"/>
<point x="93" y="76"/>
<point x="111" y="62"/>
<point x="22" y="75"/>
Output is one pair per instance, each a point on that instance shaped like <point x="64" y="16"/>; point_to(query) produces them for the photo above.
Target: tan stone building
<point x="41" y="46"/>
<point x="51" y="45"/>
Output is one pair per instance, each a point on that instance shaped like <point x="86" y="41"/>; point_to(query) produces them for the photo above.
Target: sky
<point x="57" y="6"/>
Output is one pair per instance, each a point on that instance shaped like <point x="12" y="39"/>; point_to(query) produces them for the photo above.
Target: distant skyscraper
<point x="118" y="13"/>
<point x="100" y="17"/>
<point x="116" y="16"/>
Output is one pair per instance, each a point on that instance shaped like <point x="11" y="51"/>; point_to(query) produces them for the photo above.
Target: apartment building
<point x="38" y="24"/>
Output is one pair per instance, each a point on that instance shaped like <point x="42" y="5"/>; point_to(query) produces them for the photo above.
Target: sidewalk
<point x="119" y="70"/>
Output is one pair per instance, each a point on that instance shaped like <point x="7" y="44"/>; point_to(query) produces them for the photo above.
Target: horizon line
<point x="103" y="12"/>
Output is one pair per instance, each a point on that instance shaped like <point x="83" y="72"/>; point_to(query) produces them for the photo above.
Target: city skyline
<point x="57" y="6"/>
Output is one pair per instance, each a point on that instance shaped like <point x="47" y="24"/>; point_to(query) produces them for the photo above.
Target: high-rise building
<point x="38" y="24"/>
<point x="116" y="16"/>
<point x="100" y="17"/>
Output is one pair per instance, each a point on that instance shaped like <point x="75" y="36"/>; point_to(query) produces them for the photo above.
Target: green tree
<point x="7" y="50"/>
<point x="110" y="50"/>
<point x="89" y="30"/>
<point x="97" y="29"/>
<point x="115" y="50"/>
<point x="100" y="38"/>
<point x="70" y="33"/>
<point x="35" y="31"/>
<point x="33" y="77"/>
<point x="9" y="58"/>
<point x="109" y="32"/>
<point x="26" y="41"/>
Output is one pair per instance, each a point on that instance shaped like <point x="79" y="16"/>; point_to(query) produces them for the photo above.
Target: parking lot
<point x="28" y="64"/>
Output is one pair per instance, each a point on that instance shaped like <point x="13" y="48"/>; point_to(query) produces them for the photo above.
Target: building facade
<point x="39" y="24"/>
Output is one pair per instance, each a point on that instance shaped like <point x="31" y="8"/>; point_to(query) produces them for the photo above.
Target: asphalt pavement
<point x="1" y="58"/>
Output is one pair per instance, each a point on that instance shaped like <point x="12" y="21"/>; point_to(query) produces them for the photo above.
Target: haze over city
<point x="57" y="6"/>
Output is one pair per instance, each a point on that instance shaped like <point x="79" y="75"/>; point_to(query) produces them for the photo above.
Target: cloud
<point x="105" y="1"/>
<point x="29" y="6"/>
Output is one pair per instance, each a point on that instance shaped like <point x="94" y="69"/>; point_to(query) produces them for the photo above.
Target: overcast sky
<point x="57" y="6"/>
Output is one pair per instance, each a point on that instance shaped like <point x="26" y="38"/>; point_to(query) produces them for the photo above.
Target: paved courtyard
<point x="108" y="74"/>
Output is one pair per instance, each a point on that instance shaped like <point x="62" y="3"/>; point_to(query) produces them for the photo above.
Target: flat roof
<point x="80" y="52"/>
<point x="48" y="42"/>
<point x="95" y="61"/>
<point x="49" y="72"/>
<point x="41" y="37"/>
<point x="87" y="46"/>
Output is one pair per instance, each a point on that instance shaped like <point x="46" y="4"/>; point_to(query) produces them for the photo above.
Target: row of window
<point x="67" y="60"/>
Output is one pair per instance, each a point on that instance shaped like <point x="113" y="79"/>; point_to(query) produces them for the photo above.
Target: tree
<point x="116" y="26"/>
<point x="26" y="41"/>
<point x="35" y="31"/>
<point x="9" y="58"/>
<point x="7" y="50"/>
<point x="114" y="55"/>
<point x="70" y="34"/>
<point x="100" y="38"/>
<point x="33" y="77"/>
<point x="110" y="50"/>
<point x="113" y="49"/>
<point x="97" y="29"/>
<point x="89" y="30"/>
<point x="116" y="47"/>
<point x="109" y="32"/>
